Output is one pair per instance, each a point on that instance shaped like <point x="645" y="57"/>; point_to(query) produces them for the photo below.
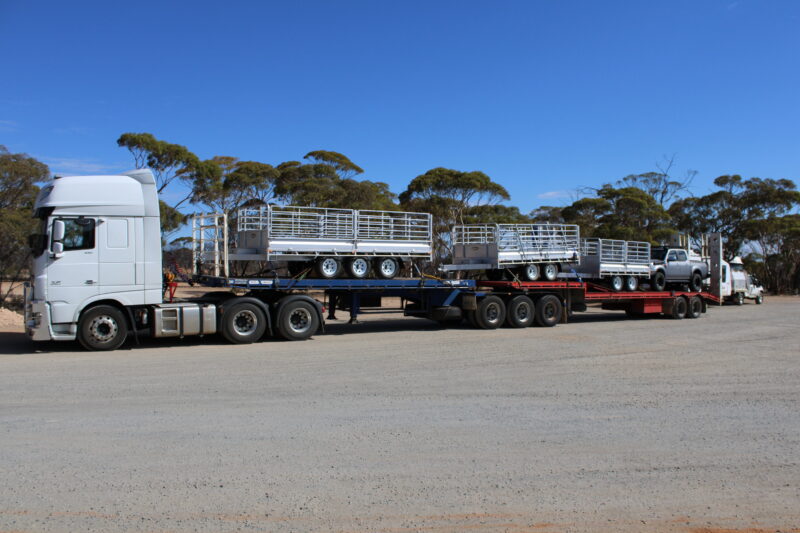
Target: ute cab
<point x="677" y="266"/>
<point x="99" y="239"/>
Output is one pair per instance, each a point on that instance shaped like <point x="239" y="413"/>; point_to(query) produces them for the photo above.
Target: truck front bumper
<point x="37" y="320"/>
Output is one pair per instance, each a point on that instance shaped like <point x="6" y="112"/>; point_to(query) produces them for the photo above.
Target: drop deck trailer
<point x="290" y="312"/>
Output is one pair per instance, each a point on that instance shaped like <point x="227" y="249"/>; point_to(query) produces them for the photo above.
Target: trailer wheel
<point x="696" y="283"/>
<point x="679" y="308"/>
<point x="548" y="310"/>
<point x="358" y="267"/>
<point x="658" y="282"/>
<point x="297" y="321"/>
<point x="328" y="267"/>
<point x="387" y="267"/>
<point x="616" y="283"/>
<point x="529" y="272"/>
<point x="695" y="308"/>
<point x="550" y="271"/>
<point x="520" y="312"/>
<point x="631" y="283"/>
<point x="739" y="298"/>
<point x="243" y="323"/>
<point x="491" y="313"/>
<point x="102" y="328"/>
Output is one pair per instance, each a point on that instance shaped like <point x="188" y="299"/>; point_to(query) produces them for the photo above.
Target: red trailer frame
<point x="677" y="304"/>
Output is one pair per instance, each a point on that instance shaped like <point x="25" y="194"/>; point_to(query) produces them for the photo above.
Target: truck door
<point x="72" y="274"/>
<point x="116" y="245"/>
<point x="683" y="266"/>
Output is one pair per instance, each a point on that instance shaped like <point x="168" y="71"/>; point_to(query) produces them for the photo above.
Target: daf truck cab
<point x="96" y="274"/>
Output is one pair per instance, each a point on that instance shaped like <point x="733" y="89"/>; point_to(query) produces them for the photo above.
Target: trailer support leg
<point x="355" y="307"/>
<point x="333" y="301"/>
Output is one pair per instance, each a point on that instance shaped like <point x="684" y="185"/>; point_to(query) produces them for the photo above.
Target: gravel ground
<point x="603" y="424"/>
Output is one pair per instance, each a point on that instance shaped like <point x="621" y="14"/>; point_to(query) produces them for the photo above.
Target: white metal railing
<point x="617" y="251"/>
<point x="294" y="222"/>
<point x="520" y="237"/>
<point x="210" y="243"/>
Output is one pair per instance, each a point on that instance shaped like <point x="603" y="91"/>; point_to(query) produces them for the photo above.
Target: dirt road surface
<point x="603" y="424"/>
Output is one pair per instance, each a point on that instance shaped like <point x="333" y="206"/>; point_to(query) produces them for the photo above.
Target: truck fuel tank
<point x="184" y="318"/>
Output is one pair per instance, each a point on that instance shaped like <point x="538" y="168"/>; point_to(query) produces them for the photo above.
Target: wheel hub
<point x="103" y="328"/>
<point x="300" y="320"/>
<point x="245" y="322"/>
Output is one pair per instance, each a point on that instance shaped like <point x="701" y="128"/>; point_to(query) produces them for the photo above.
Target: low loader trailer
<point x="97" y="278"/>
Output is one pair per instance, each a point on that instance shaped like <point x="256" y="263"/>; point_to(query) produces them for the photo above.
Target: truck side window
<point x="681" y="255"/>
<point x="672" y="256"/>
<point x="78" y="234"/>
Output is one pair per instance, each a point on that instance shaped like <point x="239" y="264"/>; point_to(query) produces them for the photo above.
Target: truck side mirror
<point x="58" y="231"/>
<point x="58" y="249"/>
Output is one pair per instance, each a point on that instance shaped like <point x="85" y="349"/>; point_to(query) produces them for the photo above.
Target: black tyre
<point x="696" y="282"/>
<point x="759" y="299"/>
<point x="102" y="328"/>
<point x="297" y="320"/>
<point x="616" y="283"/>
<point x="631" y="283"/>
<point x="520" y="312"/>
<point x="491" y="313"/>
<point x="358" y="267"/>
<point x="387" y="267"/>
<point x="695" y="307"/>
<point x="243" y="323"/>
<point x="658" y="282"/>
<point x="548" y="311"/>
<point x="739" y="298"/>
<point x="679" y="308"/>
<point x="529" y="272"/>
<point x="328" y="267"/>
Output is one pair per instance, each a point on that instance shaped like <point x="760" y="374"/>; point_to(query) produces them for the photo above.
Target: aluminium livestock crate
<point x="500" y="245"/>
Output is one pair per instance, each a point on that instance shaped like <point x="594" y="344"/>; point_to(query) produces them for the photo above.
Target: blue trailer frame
<point x="433" y="297"/>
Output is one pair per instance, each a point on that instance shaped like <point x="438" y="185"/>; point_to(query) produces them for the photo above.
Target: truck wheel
<point x="520" y="312"/>
<point x="696" y="283"/>
<point x="695" y="307"/>
<point x="328" y="267"/>
<point x="548" y="310"/>
<point x="102" y="328"/>
<point x="243" y="323"/>
<point x="491" y="313"/>
<point x="529" y="272"/>
<point x="550" y="271"/>
<point x="739" y="298"/>
<point x="387" y="267"/>
<point x="616" y="283"/>
<point x="297" y="321"/>
<point x="358" y="267"/>
<point x="658" y="282"/>
<point x="631" y="283"/>
<point x="759" y="299"/>
<point x="679" y="308"/>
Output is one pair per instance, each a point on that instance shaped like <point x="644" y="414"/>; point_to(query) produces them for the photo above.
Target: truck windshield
<point x="38" y="240"/>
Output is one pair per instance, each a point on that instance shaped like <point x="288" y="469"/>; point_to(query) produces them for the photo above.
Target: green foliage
<point x="449" y="195"/>
<point x="224" y="183"/>
<point x="163" y="158"/>
<point x="339" y="162"/>
<point x="495" y="214"/>
<point x="19" y="174"/>
<point x="171" y="218"/>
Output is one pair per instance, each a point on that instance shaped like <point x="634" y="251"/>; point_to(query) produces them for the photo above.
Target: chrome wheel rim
<point x="616" y="282"/>
<point x="388" y="267"/>
<point x="492" y="313"/>
<point x="631" y="283"/>
<point x="329" y="267"/>
<point x="359" y="267"/>
<point x="522" y="312"/>
<point x="103" y="328"/>
<point x="549" y="310"/>
<point x="300" y="320"/>
<point x="550" y="272"/>
<point x="245" y="322"/>
<point x="532" y="272"/>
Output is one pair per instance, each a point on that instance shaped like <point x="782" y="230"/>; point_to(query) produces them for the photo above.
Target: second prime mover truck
<point x="97" y="278"/>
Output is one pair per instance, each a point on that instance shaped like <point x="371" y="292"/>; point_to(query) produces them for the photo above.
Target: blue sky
<point x="545" y="97"/>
